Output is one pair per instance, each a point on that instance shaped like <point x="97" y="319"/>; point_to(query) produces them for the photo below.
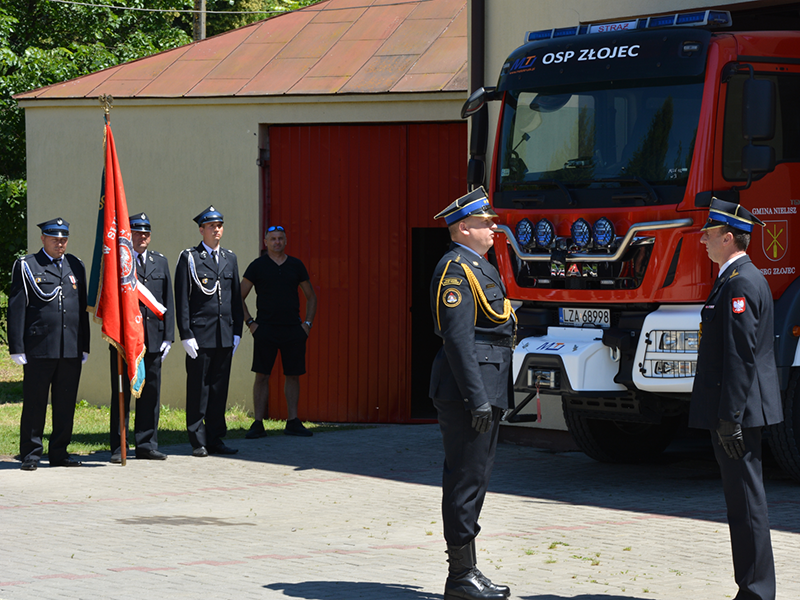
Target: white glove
<point x="20" y="359"/>
<point x="236" y="340"/>
<point x="85" y="358"/>
<point x="165" y="347"/>
<point x="191" y="347"/>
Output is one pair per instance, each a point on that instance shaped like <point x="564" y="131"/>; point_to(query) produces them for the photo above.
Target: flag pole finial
<point x="107" y="100"/>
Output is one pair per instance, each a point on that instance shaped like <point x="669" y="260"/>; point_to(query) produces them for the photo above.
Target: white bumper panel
<point x="588" y="364"/>
<point x="666" y="318"/>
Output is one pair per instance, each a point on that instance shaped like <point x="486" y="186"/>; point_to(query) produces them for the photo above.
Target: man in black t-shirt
<point x="278" y="327"/>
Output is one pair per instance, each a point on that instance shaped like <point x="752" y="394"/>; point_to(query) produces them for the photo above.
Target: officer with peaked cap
<point x="152" y="271"/>
<point x="210" y="319"/>
<point x="470" y="383"/>
<point x="736" y="390"/>
<point x="48" y="334"/>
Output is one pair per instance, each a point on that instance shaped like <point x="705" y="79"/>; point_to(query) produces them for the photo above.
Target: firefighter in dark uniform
<point x="470" y="383"/>
<point x="736" y="390"/>
<point x="210" y="317"/>
<point x="152" y="271"/>
<point x="48" y="334"/>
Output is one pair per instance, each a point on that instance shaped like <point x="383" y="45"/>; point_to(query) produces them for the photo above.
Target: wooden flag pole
<point x="123" y="429"/>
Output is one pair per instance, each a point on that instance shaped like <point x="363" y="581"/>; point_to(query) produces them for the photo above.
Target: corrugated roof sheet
<point x="334" y="47"/>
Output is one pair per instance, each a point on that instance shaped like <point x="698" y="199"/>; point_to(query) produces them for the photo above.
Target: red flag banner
<point x="117" y="304"/>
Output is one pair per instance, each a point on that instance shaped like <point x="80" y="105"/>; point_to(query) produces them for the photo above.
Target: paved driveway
<point x="355" y="514"/>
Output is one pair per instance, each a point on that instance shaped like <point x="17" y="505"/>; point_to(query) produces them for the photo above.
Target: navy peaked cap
<point x="209" y="215"/>
<point x="55" y="228"/>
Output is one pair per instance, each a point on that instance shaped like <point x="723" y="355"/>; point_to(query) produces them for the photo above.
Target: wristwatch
<point x="250" y="321"/>
<point x="307" y="323"/>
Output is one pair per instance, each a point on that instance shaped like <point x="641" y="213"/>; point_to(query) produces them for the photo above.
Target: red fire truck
<point x="612" y="139"/>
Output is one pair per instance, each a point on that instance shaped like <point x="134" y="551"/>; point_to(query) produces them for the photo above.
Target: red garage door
<point x="349" y="197"/>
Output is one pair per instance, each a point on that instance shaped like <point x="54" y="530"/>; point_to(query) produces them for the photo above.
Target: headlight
<point x="603" y="232"/>
<point x="524" y="232"/>
<point x="675" y="368"/>
<point x="545" y="233"/>
<point x="581" y="233"/>
<point x="678" y="341"/>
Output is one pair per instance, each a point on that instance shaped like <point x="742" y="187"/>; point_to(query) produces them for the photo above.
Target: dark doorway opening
<point x="428" y="245"/>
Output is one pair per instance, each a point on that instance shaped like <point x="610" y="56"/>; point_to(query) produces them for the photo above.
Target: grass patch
<point x="92" y="424"/>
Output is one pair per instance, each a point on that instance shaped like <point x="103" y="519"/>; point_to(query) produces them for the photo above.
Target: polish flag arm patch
<point x="738" y="305"/>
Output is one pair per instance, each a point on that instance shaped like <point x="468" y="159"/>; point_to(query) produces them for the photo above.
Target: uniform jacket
<point x="155" y="277"/>
<point x="736" y="378"/>
<point x="212" y="320"/>
<point x="464" y="371"/>
<point x="37" y="327"/>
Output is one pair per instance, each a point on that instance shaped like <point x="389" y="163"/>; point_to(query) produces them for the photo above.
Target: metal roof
<point x="334" y="47"/>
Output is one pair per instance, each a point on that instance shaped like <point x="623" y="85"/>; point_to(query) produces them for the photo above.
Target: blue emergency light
<point x="705" y="18"/>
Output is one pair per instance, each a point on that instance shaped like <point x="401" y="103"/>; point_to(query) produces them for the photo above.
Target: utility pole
<point x="199" y="20"/>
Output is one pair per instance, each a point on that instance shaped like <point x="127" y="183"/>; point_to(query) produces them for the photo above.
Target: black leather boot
<point x="463" y="579"/>
<point x="503" y="589"/>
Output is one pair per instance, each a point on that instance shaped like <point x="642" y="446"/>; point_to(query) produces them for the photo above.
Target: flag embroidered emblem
<point x="739" y="305"/>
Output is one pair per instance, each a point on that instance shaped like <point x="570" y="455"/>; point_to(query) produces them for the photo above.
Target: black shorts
<point x="290" y="340"/>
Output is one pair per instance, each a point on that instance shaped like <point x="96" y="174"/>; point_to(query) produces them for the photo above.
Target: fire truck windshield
<point x="597" y="137"/>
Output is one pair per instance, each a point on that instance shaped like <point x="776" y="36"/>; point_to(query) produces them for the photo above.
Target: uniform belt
<point x="494" y="340"/>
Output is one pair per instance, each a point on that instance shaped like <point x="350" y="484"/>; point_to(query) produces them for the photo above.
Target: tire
<point x="784" y="438"/>
<point x="624" y="442"/>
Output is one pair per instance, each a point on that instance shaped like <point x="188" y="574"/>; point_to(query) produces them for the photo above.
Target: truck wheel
<point x="784" y="438"/>
<point x="619" y="441"/>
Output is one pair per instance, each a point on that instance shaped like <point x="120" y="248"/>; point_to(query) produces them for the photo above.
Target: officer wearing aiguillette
<point x="152" y="271"/>
<point x="736" y="390"/>
<point x="208" y="304"/>
<point x="48" y="334"/>
<point x="470" y="383"/>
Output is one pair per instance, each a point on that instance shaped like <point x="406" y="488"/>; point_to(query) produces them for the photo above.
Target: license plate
<point x="585" y="316"/>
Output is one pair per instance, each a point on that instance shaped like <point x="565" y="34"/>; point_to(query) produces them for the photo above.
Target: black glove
<point x="731" y="439"/>
<point x="482" y="418"/>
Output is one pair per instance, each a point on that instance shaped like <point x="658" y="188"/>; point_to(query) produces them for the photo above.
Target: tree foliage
<point x="43" y="42"/>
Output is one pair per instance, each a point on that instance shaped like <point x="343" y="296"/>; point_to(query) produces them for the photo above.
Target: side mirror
<point x="758" y="160"/>
<point x="758" y="110"/>
<point x="476" y="172"/>
<point x="476" y="101"/>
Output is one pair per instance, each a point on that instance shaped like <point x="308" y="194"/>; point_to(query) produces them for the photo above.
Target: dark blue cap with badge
<point x="139" y="222"/>
<point x="474" y="204"/>
<point x="55" y="228"/>
<point x="722" y="212"/>
<point x="209" y="215"/>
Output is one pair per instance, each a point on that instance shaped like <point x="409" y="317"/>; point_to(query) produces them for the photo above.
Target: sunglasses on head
<point x="275" y="228"/>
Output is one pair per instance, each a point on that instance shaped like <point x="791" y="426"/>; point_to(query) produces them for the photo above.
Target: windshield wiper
<point x="650" y="198"/>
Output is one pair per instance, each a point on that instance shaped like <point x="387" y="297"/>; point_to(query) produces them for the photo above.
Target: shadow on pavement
<point x="350" y="590"/>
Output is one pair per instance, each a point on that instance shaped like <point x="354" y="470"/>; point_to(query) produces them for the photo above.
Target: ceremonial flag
<point x="114" y="289"/>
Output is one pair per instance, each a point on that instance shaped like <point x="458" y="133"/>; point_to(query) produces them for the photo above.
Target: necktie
<point x="57" y="263"/>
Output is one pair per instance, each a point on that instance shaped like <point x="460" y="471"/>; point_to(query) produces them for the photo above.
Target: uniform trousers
<point x="207" y="378"/>
<point x="148" y="405"/>
<point x="748" y="519"/>
<point x="468" y="462"/>
<point x="43" y="377"/>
